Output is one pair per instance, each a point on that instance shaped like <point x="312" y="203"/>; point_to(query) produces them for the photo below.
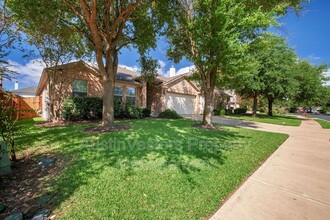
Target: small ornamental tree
<point x="8" y="121"/>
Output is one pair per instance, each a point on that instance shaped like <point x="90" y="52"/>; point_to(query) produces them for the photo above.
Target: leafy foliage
<point x="149" y="68"/>
<point x="169" y="114"/>
<point x="104" y="27"/>
<point x="127" y="110"/>
<point x="78" y="108"/>
<point x="9" y="35"/>
<point x="214" y="35"/>
<point x="240" y="111"/>
<point x="146" y="112"/>
<point x="8" y="122"/>
<point x="270" y="75"/>
<point x="85" y="108"/>
<point x="310" y="91"/>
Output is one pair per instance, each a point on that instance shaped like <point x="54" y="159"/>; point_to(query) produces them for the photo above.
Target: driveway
<point x="293" y="183"/>
<point x="325" y="117"/>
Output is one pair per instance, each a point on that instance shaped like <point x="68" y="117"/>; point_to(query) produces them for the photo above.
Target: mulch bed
<point x="20" y="189"/>
<point x="208" y="127"/>
<point x="49" y="124"/>
<point x="100" y="129"/>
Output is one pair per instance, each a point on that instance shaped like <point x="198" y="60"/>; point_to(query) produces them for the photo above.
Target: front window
<point x="130" y="95"/>
<point x="79" y="88"/>
<point x="118" y="93"/>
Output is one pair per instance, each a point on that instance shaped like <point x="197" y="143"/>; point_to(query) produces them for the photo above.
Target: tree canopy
<point x="104" y="26"/>
<point x="310" y="91"/>
<point x="215" y="34"/>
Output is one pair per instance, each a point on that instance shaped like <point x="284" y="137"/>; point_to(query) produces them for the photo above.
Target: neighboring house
<point x="226" y="99"/>
<point x="83" y="79"/>
<point x="26" y="92"/>
<point x="234" y="101"/>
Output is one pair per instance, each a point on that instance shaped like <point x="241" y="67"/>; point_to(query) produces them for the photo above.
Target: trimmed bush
<point x="170" y="114"/>
<point x="126" y="110"/>
<point x="222" y="111"/>
<point x="240" y="110"/>
<point x="78" y="108"/>
<point x="146" y="112"/>
<point x="228" y="112"/>
<point x="84" y="108"/>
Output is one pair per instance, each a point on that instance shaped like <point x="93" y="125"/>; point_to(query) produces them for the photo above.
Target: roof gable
<point x="182" y="85"/>
<point x="123" y="74"/>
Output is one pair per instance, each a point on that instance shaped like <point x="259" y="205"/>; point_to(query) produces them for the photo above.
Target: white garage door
<point x="182" y="104"/>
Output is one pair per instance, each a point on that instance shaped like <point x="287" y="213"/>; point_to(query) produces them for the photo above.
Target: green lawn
<point x="325" y="124"/>
<point x="160" y="169"/>
<point x="276" y="119"/>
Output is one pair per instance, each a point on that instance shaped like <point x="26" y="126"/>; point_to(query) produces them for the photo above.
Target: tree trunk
<point x="12" y="148"/>
<point x="255" y="105"/>
<point x="149" y="95"/>
<point x="208" y="106"/>
<point x="109" y="87"/>
<point x="270" y="107"/>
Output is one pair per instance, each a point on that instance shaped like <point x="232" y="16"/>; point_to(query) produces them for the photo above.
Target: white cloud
<point x="185" y="70"/>
<point x="313" y="57"/>
<point x="28" y="73"/>
<point x="180" y="71"/>
<point x="327" y="73"/>
<point x="132" y="68"/>
<point x="161" y="69"/>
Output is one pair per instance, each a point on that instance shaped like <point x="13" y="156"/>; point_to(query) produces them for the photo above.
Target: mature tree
<point x="266" y="64"/>
<point x="310" y="79"/>
<point x="247" y="81"/>
<point x="277" y="71"/>
<point x="106" y="27"/>
<point x="214" y="34"/>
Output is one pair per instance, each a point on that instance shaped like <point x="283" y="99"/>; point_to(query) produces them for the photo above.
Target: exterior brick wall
<point x="63" y="85"/>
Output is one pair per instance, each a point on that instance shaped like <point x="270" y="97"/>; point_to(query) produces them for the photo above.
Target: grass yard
<point x="160" y="169"/>
<point x="324" y="123"/>
<point x="276" y="119"/>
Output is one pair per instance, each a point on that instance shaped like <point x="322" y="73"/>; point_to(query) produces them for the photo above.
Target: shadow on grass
<point x="151" y="144"/>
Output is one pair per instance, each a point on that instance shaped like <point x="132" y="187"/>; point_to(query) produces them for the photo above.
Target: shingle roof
<point x="124" y="74"/>
<point x="29" y="90"/>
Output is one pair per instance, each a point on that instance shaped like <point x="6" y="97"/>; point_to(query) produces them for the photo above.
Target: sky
<point x="308" y="33"/>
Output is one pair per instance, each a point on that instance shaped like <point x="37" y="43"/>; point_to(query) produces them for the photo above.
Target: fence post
<point x="4" y="159"/>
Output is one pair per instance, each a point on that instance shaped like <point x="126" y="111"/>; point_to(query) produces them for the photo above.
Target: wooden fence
<point x="24" y="107"/>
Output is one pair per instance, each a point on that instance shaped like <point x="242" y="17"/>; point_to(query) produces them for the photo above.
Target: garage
<point x="182" y="104"/>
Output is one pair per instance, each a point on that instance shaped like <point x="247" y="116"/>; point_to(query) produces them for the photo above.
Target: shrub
<point x="222" y="111"/>
<point x="82" y="108"/>
<point x="146" y="112"/>
<point x="240" y="110"/>
<point x="8" y="121"/>
<point x="170" y="114"/>
<point x="78" y="108"/>
<point x="126" y="110"/>
<point x="228" y="112"/>
<point x="324" y="110"/>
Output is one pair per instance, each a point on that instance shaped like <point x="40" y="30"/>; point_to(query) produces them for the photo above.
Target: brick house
<point x="83" y="79"/>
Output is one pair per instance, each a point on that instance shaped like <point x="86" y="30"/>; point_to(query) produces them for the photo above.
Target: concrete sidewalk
<point x="294" y="183"/>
